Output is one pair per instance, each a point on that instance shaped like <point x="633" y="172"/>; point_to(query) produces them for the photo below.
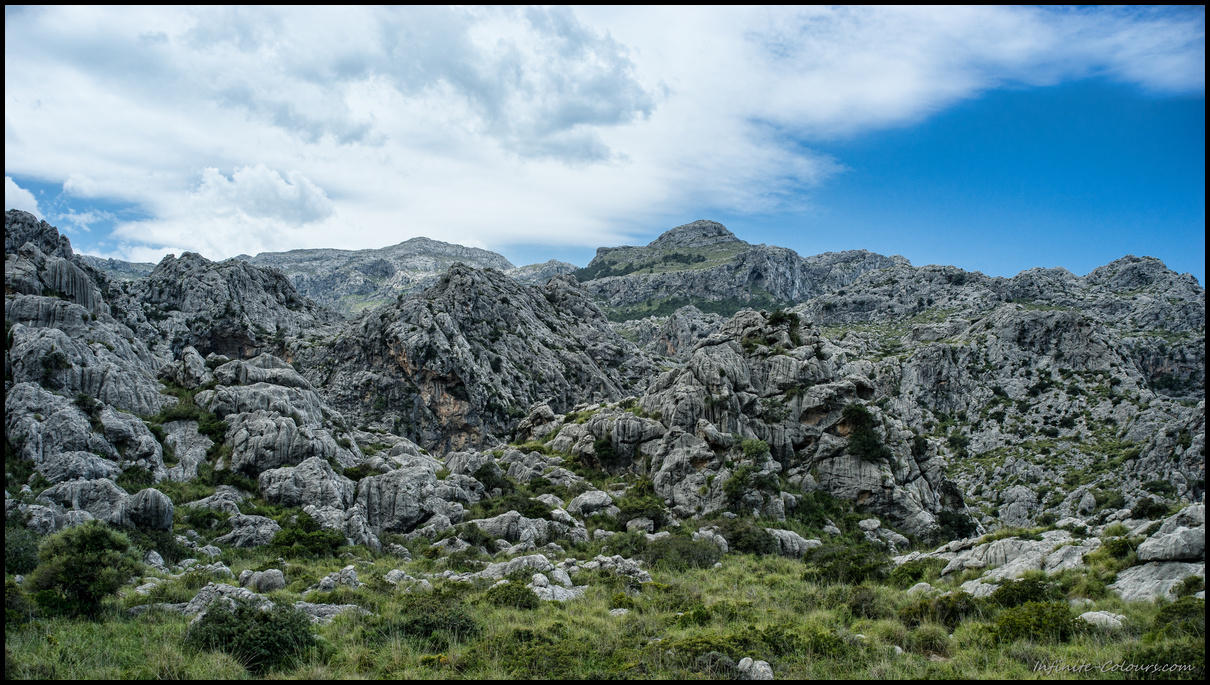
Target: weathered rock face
<point x="767" y="379"/>
<point x="705" y="260"/>
<point x="351" y="281"/>
<point x="231" y="308"/>
<point x="311" y="482"/>
<point x="457" y="364"/>
<point x="673" y="336"/>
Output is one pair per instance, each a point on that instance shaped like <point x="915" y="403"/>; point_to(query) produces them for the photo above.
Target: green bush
<point x="1186" y="617"/>
<point x="20" y="550"/>
<point x="433" y="617"/>
<point x="489" y="474"/>
<point x="1190" y="585"/>
<point x="1036" y="621"/>
<point x="845" y="563"/>
<point x="912" y="572"/>
<point x="80" y="566"/>
<point x="17" y="608"/>
<point x="864" y="602"/>
<point x="929" y="638"/>
<point x="948" y="610"/>
<point x="679" y="553"/>
<point x="1147" y="508"/>
<point x="513" y="501"/>
<point x="754" y="449"/>
<point x="956" y="525"/>
<point x="863" y="438"/>
<point x="1184" y="660"/>
<point x="260" y="640"/>
<point x="1018" y="592"/>
<point x="306" y="539"/>
<point x="512" y="595"/>
<point x="162" y="541"/>
<point x="746" y="536"/>
<point x="135" y="478"/>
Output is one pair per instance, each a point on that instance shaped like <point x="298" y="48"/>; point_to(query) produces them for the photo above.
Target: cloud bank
<point x="248" y="129"/>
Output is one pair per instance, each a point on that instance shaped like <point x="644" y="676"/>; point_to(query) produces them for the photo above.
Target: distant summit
<point x="700" y="233"/>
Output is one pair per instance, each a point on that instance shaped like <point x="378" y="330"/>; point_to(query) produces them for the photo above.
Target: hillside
<point x="911" y="472"/>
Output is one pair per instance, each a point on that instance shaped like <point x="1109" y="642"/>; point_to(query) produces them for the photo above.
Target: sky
<point x="992" y="138"/>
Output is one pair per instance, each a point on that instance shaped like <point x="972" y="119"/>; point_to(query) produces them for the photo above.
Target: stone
<point x="312" y="482"/>
<point x="1103" y="619"/>
<point x="249" y="531"/>
<point x="263" y="581"/>
<point x="148" y="509"/>
<point x="1154" y="579"/>
<point x="754" y="670"/>
<point x="1182" y="544"/>
<point x="791" y="544"/>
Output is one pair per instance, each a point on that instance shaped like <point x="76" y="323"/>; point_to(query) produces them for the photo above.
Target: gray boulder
<point x="312" y="482"/>
<point x="249" y="531"/>
<point x="149" y="509"/>
<point x="262" y="581"/>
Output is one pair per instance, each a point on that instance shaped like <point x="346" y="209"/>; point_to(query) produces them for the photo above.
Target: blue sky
<point x="994" y="139"/>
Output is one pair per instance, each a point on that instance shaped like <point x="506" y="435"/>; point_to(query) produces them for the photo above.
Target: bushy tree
<point x="259" y="639"/>
<point x="863" y="439"/>
<point x="81" y="566"/>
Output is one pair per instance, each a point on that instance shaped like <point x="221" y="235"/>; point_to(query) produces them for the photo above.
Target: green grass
<point x="758" y="606"/>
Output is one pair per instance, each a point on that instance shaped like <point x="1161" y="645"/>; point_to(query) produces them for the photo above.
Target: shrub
<point x="81" y="566"/>
<point x="261" y="640"/>
<point x="948" y="610"/>
<point x="512" y="595"/>
<point x="679" y="553"/>
<point x="433" y="617"/>
<point x="162" y="541"/>
<point x="865" y="603"/>
<point x="645" y="506"/>
<point x="306" y="539"/>
<point x="1190" y="585"/>
<point x="135" y="478"/>
<point x="1186" y="617"/>
<point x="863" y="439"/>
<point x="1185" y="660"/>
<point x="929" y="637"/>
<point x="17" y="608"/>
<point x="845" y="563"/>
<point x="20" y="551"/>
<point x="754" y="449"/>
<point x="1147" y="508"/>
<point x="956" y="525"/>
<point x="606" y="455"/>
<point x="747" y="537"/>
<point x="912" y="572"/>
<point x="1037" y="621"/>
<point x="1016" y="593"/>
<point x="513" y="501"/>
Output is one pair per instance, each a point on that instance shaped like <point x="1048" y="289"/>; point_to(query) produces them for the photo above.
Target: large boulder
<point x="312" y="482"/>
<point x="149" y="509"/>
<point x="249" y="531"/>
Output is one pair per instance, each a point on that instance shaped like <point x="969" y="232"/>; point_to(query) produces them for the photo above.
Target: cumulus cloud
<point x="16" y="197"/>
<point x="362" y="127"/>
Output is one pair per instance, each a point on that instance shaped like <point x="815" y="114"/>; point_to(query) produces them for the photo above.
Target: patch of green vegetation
<point x="261" y="640"/>
<point x="863" y="438"/>
<point x="80" y="566"/>
<point x="664" y="307"/>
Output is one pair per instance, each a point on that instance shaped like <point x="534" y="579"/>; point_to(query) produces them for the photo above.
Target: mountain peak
<point x="700" y="233"/>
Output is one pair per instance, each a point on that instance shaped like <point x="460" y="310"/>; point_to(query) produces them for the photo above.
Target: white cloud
<point x="16" y="197"/>
<point x="361" y="127"/>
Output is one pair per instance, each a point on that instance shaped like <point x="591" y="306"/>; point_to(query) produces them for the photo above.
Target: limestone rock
<point x="249" y="531"/>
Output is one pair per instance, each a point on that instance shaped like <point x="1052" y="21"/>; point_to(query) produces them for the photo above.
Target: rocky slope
<point x="456" y="364"/>
<point x="703" y="263"/>
<point x="933" y="400"/>
<point x="350" y="281"/>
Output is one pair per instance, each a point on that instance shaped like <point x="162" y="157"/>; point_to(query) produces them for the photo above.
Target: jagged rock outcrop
<point x="231" y="308"/>
<point x="706" y="261"/>
<point x="455" y="365"/>
<point x="351" y="281"/>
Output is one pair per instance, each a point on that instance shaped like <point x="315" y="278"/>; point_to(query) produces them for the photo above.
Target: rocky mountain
<point x="118" y="269"/>
<point x="351" y="281"/>
<point x="457" y="364"/>
<point x="892" y="408"/>
<point x="704" y="264"/>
